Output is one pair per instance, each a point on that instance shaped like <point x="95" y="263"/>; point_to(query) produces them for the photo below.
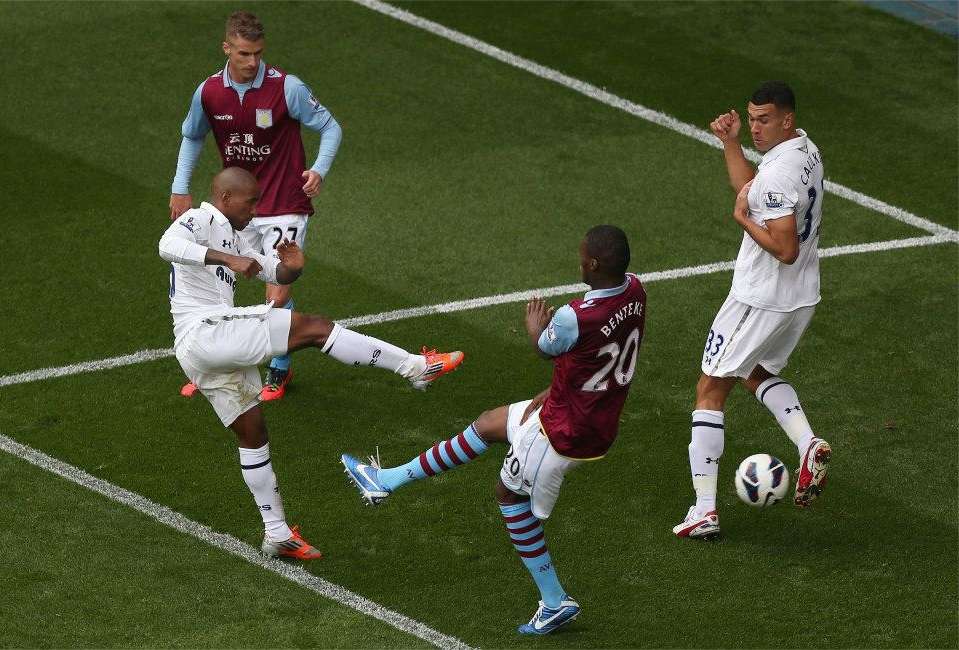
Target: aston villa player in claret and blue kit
<point x="594" y="344"/>
<point x="255" y="111"/>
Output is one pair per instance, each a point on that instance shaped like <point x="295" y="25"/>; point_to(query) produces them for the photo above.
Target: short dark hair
<point x="245" y="25"/>
<point x="777" y="93"/>
<point x="608" y="246"/>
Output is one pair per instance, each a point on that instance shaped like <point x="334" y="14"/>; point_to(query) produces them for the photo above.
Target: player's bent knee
<point x="506" y="496"/>
<point x="490" y="426"/>
<point x="309" y="330"/>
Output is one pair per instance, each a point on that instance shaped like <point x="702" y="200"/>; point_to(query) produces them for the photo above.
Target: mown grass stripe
<point x="643" y="112"/>
<point x="476" y="303"/>
<point x="292" y="572"/>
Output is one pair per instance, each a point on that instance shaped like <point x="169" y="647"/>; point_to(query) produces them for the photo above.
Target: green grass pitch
<point x="461" y="177"/>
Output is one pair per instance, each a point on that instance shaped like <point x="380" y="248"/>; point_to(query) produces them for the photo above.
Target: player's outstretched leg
<point x="376" y="483"/>
<point x="355" y="349"/>
<point x="776" y="394"/>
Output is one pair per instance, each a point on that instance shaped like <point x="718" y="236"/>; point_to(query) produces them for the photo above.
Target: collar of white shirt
<point x="218" y="216"/>
<point x="799" y="142"/>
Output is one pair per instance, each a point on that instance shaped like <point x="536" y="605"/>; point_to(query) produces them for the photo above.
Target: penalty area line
<point x="477" y="303"/>
<point x="292" y="572"/>
<point x="638" y="110"/>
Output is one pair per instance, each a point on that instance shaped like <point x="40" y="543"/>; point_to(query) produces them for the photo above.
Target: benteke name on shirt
<point x="631" y="309"/>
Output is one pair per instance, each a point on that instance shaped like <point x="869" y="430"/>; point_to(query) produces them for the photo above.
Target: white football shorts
<point x="531" y="466"/>
<point x="743" y="337"/>
<point x="220" y="355"/>
<point x="263" y="234"/>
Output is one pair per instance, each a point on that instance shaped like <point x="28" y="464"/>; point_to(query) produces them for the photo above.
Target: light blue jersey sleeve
<point x="194" y="129"/>
<point x="304" y="108"/>
<point x="561" y="334"/>
<point x="196" y="126"/>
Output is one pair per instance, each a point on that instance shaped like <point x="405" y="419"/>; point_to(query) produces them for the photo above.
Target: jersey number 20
<point x="624" y="362"/>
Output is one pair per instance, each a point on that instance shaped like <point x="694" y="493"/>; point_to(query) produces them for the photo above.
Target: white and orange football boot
<point x="437" y="365"/>
<point x="295" y="547"/>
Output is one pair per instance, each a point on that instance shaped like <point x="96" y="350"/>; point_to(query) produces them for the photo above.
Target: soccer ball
<point x="762" y="480"/>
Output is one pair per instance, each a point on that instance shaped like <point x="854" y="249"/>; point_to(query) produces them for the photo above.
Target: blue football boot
<point x="546" y="619"/>
<point x="364" y="477"/>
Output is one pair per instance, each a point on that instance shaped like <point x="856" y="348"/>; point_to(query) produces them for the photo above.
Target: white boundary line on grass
<point x="292" y="572"/>
<point x="648" y="114"/>
<point x="296" y="574"/>
<point x="473" y="303"/>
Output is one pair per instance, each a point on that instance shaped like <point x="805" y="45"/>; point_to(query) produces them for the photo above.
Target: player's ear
<point x="789" y="120"/>
<point x="226" y="48"/>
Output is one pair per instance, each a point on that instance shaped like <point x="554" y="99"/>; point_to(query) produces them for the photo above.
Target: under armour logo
<point x="227" y="244"/>
<point x="712" y="460"/>
<point x="795" y="408"/>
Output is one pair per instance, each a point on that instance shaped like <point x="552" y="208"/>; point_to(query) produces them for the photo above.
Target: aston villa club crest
<point x="264" y="117"/>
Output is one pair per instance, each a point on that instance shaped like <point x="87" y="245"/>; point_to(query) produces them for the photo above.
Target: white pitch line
<point x="86" y="366"/>
<point x="648" y="114"/>
<point x="293" y="573"/>
<point x="475" y="303"/>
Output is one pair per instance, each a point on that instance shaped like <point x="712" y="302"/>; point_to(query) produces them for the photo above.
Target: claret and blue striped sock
<point x="526" y="533"/>
<point x="442" y="456"/>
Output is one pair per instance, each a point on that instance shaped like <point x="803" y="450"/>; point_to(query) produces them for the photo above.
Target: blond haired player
<point x="219" y="345"/>
<point x="255" y="112"/>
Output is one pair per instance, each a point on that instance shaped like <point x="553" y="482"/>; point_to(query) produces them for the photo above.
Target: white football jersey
<point x="199" y="291"/>
<point x="788" y="184"/>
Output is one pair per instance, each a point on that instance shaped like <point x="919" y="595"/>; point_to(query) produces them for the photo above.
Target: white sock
<point x="356" y="349"/>
<point x="705" y="449"/>
<point x="780" y="398"/>
<point x="258" y="473"/>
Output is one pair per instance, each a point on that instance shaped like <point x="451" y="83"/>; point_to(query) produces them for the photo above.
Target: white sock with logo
<point x="782" y="401"/>
<point x="357" y="349"/>
<point x="705" y="449"/>
<point x="258" y="473"/>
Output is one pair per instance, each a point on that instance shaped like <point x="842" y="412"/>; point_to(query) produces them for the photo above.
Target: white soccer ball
<point x="762" y="480"/>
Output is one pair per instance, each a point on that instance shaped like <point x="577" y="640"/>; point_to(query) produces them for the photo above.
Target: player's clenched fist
<point x="245" y="266"/>
<point x="726" y="126"/>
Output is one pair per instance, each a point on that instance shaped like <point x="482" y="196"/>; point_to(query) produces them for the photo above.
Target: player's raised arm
<point x="726" y="127"/>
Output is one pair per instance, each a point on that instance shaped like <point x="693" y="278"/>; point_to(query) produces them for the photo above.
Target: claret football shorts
<point x="220" y="355"/>
<point x="531" y="466"/>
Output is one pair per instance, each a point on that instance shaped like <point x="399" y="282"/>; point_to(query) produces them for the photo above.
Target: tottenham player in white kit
<point x="774" y="292"/>
<point x="219" y="346"/>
